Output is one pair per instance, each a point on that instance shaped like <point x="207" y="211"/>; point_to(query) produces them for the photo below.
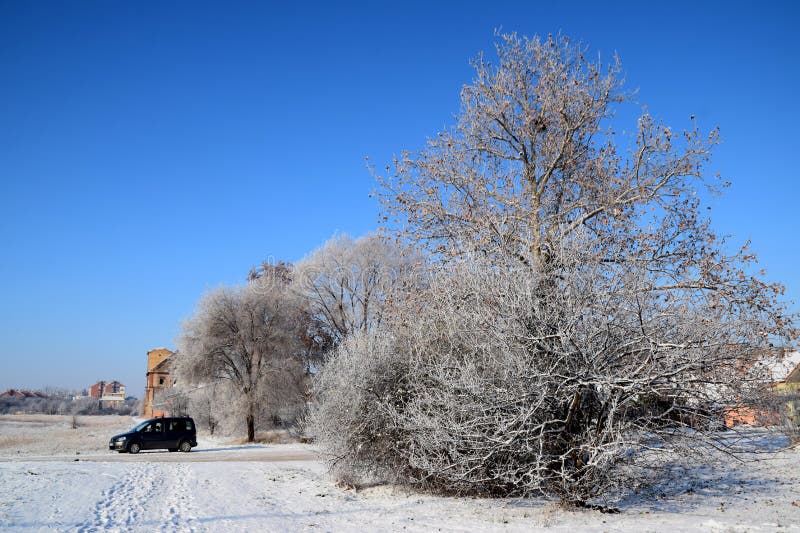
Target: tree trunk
<point x="251" y="422"/>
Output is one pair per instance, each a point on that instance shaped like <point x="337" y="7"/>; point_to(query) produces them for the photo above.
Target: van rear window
<point x="179" y="425"/>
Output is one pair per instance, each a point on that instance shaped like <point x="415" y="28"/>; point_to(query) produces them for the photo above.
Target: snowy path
<point x="146" y="496"/>
<point x="74" y="497"/>
<point x="160" y="492"/>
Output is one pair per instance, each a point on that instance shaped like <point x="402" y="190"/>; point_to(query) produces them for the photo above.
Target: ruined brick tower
<point x="158" y="378"/>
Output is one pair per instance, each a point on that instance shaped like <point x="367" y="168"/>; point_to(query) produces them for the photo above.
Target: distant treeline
<point x="65" y="406"/>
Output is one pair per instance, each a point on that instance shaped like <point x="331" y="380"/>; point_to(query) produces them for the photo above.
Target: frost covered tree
<point x="585" y="323"/>
<point x="250" y="338"/>
<point x="349" y="282"/>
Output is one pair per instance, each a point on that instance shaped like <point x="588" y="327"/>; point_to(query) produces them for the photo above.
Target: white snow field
<point x="63" y="482"/>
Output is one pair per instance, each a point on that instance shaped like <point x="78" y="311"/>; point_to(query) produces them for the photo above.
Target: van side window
<point x="188" y="425"/>
<point x="173" y="426"/>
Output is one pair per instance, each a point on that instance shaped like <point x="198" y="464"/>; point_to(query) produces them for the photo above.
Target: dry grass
<point x="275" y="436"/>
<point x="16" y="441"/>
<point x="53" y="434"/>
<point x="34" y="419"/>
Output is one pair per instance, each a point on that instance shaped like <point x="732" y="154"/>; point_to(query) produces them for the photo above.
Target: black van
<point x="172" y="434"/>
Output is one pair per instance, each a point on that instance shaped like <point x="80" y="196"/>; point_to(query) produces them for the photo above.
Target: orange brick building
<point x="159" y="378"/>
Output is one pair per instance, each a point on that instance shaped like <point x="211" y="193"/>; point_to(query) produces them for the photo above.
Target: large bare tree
<point x="586" y="322"/>
<point x="249" y="337"/>
<point x="533" y="163"/>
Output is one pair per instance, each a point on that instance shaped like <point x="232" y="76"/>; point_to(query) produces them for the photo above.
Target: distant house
<point x="159" y="378"/>
<point x="789" y="391"/>
<point x="110" y="393"/>
<point x="785" y="375"/>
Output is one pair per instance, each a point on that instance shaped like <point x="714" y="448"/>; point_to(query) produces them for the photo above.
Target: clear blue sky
<point x="150" y="151"/>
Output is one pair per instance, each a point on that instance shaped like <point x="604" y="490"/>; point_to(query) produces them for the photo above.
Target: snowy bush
<point x="501" y="382"/>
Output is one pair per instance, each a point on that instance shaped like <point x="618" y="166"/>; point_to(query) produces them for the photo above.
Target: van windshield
<point x="140" y="426"/>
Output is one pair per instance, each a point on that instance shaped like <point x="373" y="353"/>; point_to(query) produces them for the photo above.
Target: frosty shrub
<point x="353" y="418"/>
<point x="494" y="382"/>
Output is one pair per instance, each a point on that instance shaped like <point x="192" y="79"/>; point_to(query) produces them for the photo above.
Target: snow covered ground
<point x="220" y="487"/>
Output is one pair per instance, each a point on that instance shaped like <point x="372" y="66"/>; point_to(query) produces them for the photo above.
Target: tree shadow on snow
<point x="733" y="477"/>
<point x="685" y="485"/>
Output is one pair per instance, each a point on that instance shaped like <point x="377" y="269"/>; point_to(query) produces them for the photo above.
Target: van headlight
<point x="120" y="440"/>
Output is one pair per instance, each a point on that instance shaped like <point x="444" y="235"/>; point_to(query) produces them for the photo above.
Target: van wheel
<point x="185" y="446"/>
<point x="134" y="448"/>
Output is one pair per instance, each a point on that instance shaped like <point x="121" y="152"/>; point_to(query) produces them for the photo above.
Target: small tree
<point x="348" y="283"/>
<point x="247" y="336"/>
